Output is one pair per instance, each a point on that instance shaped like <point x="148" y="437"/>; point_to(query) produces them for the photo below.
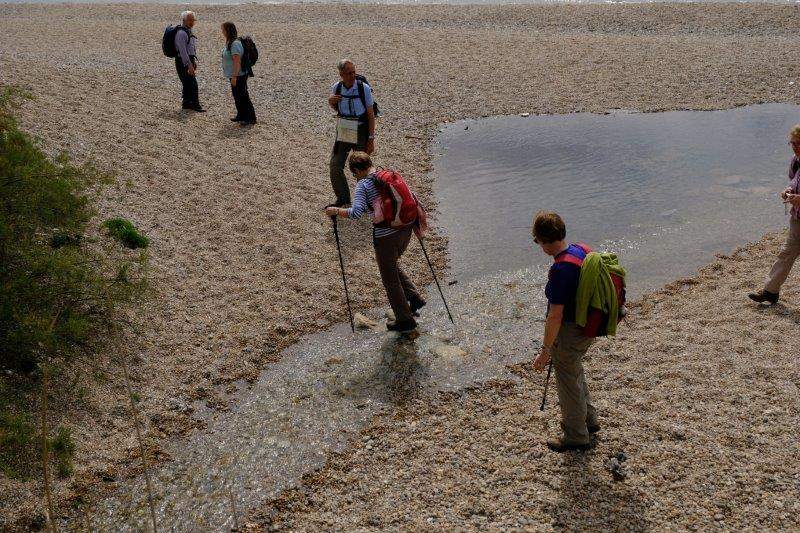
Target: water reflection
<point x="664" y="190"/>
<point x="399" y="376"/>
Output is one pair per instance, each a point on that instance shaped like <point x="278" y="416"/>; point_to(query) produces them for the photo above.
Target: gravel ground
<point x="242" y="263"/>
<point x="319" y="396"/>
<point x="698" y="399"/>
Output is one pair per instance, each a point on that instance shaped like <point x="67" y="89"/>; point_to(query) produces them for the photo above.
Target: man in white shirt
<point x="352" y="99"/>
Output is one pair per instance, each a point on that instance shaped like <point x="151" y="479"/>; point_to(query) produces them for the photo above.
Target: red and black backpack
<point x="398" y="203"/>
<point x="596" y="319"/>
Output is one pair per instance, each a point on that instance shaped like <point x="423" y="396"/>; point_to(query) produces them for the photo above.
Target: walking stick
<point x="546" y="383"/>
<point x="424" y="251"/>
<point x="344" y="280"/>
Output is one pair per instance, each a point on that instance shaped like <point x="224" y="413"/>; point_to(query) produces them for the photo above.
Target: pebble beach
<point x="242" y="263"/>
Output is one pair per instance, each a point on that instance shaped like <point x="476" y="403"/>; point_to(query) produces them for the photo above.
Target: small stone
<point x="678" y="433"/>
<point x="362" y="322"/>
<point x="524" y="114"/>
<point x="448" y="351"/>
<point x="719" y="517"/>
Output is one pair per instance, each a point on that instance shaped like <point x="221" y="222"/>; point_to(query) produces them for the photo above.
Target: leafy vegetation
<point x="62" y="283"/>
<point x="59" y="286"/>
<point x="20" y="441"/>
<point x="124" y="232"/>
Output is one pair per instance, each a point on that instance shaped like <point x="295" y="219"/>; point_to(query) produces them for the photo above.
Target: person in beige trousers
<point x="563" y="340"/>
<point x="791" y="249"/>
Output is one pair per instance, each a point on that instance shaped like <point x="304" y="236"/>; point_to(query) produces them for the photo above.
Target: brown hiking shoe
<point x="764" y="296"/>
<point x="560" y="445"/>
<point x="593" y="428"/>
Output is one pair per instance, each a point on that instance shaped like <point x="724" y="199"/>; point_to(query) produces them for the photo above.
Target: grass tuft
<point x="125" y="232"/>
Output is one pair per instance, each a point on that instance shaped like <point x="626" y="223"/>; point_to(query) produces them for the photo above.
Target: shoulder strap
<point x="571" y="259"/>
<point x="338" y="90"/>
<point x="566" y="257"/>
<point x="361" y="95"/>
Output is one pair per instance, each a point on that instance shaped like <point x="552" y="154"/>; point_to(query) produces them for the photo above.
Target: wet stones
<point x="362" y="322"/>
<point x="448" y="351"/>
<point x="616" y="465"/>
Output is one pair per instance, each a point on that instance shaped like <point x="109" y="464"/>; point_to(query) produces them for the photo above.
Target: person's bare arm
<point x="333" y="101"/>
<point x="551" y="328"/>
<point x="237" y="66"/>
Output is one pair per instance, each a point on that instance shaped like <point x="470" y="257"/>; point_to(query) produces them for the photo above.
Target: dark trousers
<point x="189" y="83"/>
<point x="244" y="107"/>
<point x="338" y="159"/>
<point x="399" y="288"/>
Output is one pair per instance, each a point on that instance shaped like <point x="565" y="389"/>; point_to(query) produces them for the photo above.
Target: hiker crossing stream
<point x="328" y="386"/>
<point x="320" y="393"/>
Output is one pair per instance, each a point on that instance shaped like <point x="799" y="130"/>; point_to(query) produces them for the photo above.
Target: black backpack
<point x="360" y="81"/>
<point x="250" y="55"/>
<point x="168" y="41"/>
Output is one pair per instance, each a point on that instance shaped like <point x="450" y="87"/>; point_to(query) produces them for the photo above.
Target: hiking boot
<point x="593" y="428"/>
<point x="236" y="119"/>
<point x="561" y="446"/>
<point x="416" y="304"/>
<point x="764" y="296"/>
<point x="250" y="122"/>
<point x="402" y="326"/>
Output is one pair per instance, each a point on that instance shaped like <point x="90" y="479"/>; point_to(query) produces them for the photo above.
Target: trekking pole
<point x="546" y="383"/>
<point x="344" y="280"/>
<point x="424" y="251"/>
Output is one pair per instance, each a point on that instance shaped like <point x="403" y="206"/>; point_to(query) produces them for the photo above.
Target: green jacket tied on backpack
<point x="595" y="288"/>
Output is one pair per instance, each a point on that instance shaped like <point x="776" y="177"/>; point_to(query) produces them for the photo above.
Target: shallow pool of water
<point x="665" y="190"/>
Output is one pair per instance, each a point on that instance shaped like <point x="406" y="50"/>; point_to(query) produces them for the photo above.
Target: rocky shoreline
<point x="695" y="398"/>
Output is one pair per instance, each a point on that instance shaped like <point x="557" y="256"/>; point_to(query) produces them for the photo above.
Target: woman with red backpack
<point x="394" y="212"/>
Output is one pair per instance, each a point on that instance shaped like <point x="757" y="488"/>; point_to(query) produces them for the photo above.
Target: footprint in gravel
<point x="616" y="465"/>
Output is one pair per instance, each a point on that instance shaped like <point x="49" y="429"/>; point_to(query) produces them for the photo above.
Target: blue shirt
<point x="227" y="59"/>
<point x="350" y="105"/>
<point x="562" y="283"/>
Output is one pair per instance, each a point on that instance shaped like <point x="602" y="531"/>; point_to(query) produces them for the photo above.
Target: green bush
<point x="60" y="286"/>
<point x="63" y="448"/>
<point x="18" y="445"/>
<point x="124" y="232"/>
<point x="21" y="448"/>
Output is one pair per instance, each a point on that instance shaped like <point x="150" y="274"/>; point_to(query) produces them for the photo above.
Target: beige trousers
<point x="786" y="258"/>
<point x="577" y="410"/>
